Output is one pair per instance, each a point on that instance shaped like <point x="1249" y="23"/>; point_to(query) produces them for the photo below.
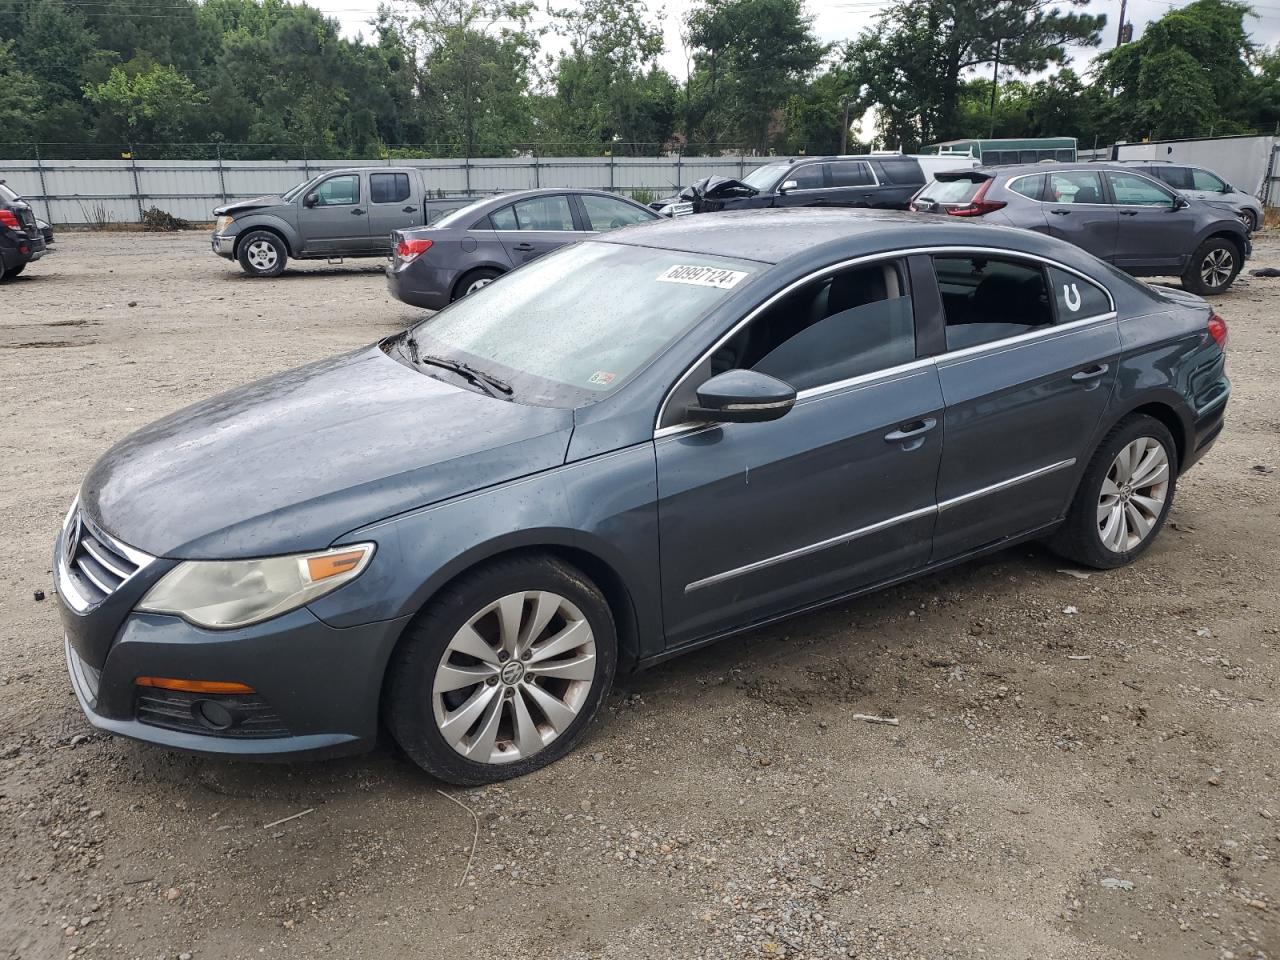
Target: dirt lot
<point x="1057" y="731"/>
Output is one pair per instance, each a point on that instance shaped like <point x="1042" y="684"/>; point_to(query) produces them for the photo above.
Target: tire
<point x="1213" y="267"/>
<point x="1084" y="535"/>
<point x="262" y="254"/>
<point x="14" y="271"/>
<point x="444" y="730"/>
<point x="1249" y="220"/>
<point x="474" y="281"/>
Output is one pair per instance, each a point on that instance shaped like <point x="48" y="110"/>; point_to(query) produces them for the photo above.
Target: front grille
<point x="96" y="564"/>
<point x="252" y="717"/>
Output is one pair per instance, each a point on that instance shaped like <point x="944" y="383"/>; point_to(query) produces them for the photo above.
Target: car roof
<point x="781" y="233"/>
<point x="487" y="204"/>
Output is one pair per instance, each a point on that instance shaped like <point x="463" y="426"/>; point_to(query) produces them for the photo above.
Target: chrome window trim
<point x="660" y="431"/>
<point x="860" y="532"/>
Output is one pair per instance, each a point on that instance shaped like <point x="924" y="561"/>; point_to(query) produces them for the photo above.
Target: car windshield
<point x="762" y="178"/>
<point x="297" y="189"/>
<point x="451" y="218"/>
<point x="575" y="324"/>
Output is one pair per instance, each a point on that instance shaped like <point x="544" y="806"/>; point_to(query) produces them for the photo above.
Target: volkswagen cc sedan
<point x="627" y="449"/>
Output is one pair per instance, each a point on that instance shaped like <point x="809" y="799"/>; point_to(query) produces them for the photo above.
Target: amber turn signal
<point x="331" y="564"/>
<point x="194" y="686"/>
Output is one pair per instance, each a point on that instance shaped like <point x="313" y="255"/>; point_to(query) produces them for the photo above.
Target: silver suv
<point x="1201" y="184"/>
<point x="1116" y="213"/>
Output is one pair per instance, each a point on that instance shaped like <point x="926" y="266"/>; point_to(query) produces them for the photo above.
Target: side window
<point x="850" y="173"/>
<point x="388" y="187"/>
<point x="1204" y="180"/>
<point x="1135" y="191"/>
<point x="987" y="299"/>
<point x="504" y="219"/>
<point x="1074" y="187"/>
<point x="606" y="213"/>
<point x="1177" y="177"/>
<point x="807" y="177"/>
<point x="1077" y="298"/>
<point x="338" y="191"/>
<point x="854" y="322"/>
<point x="1028" y="187"/>
<point x="543" y="213"/>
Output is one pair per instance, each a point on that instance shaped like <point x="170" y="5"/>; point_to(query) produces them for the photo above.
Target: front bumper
<point x="224" y="246"/>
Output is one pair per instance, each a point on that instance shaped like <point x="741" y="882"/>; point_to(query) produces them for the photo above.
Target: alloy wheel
<point x="1215" y="269"/>
<point x="514" y="677"/>
<point x="262" y="255"/>
<point x="477" y="284"/>
<point x="1133" y="494"/>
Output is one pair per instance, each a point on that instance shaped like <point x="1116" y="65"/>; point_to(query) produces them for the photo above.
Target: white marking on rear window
<point x="702" y="276"/>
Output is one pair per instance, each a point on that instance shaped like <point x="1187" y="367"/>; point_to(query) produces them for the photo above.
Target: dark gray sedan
<point x="469" y="248"/>
<point x="635" y="446"/>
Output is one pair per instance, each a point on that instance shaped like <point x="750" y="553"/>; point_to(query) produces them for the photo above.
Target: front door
<point x="756" y="519"/>
<point x="1078" y="211"/>
<point x="805" y="185"/>
<point x="392" y="206"/>
<point x="529" y="228"/>
<point x="1154" y="232"/>
<point x="1031" y="361"/>
<point x="336" y="222"/>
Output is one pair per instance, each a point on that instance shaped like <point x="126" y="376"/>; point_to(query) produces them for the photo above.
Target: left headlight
<point x="221" y="224"/>
<point x="221" y="594"/>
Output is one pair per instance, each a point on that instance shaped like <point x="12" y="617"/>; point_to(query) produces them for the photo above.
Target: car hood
<point x="244" y="206"/>
<point x="717" y="187"/>
<point x="294" y="461"/>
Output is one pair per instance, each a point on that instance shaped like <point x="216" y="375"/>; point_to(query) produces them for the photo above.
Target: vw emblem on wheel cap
<point x="512" y="673"/>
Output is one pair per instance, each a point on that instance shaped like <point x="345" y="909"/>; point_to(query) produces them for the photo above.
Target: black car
<point x="879" y="182"/>
<point x="21" y="239"/>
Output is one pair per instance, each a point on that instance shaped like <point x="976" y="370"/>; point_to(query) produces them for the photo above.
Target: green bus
<point x="997" y="152"/>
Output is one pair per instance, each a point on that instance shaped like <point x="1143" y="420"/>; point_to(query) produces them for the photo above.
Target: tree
<point x="749" y="58"/>
<point x="151" y="106"/>
<point x="22" y="101"/>
<point x="911" y="65"/>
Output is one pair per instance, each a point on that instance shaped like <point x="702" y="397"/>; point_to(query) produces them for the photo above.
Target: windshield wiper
<point x="488" y="382"/>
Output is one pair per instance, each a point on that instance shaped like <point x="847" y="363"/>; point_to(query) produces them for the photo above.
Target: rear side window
<point x="1028" y="187"/>
<point x="388" y="187"/>
<point x="989" y="298"/>
<point x="1134" y="191"/>
<point x="1177" y="177"/>
<point x="536" y="213"/>
<point x="1074" y="187"/>
<point x="850" y="173"/>
<point x="504" y="219"/>
<point x="901" y="171"/>
<point x="1076" y="297"/>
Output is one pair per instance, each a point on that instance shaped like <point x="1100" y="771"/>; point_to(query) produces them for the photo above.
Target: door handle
<point x="408" y="209"/>
<point x="357" y="212"/>
<point x="1128" y="213"/>
<point x="1090" y="374"/>
<point x="910" y="431"/>
<point x="523" y="247"/>
<point x="1061" y="213"/>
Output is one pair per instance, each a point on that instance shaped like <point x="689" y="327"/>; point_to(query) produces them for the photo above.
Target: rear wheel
<point x="11" y="272"/>
<point x="262" y="254"/>
<point x="502" y="672"/>
<point x="1123" y="498"/>
<point x="474" y="280"/>
<point x="1213" y="267"/>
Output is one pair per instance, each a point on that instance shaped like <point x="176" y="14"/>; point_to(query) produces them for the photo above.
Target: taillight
<point x="1218" y="330"/>
<point x="979" y="206"/>
<point x="10" y="219"/>
<point x="410" y="248"/>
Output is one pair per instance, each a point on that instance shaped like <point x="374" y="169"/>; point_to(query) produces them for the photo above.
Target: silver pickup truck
<point x="337" y="214"/>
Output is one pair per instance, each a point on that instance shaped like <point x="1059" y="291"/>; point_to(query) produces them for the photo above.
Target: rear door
<point x="536" y="225"/>
<point x="1030" y="362"/>
<point x="852" y="183"/>
<point x="334" y="220"/>
<point x="1153" y="232"/>
<point x="1079" y="212"/>
<point x="392" y="206"/>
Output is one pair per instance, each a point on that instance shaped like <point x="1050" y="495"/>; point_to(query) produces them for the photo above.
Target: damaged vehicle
<point x="635" y="445"/>
<point x="882" y="182"/>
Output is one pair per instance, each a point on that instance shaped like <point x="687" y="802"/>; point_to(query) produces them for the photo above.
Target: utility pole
<point x="1120" y="30"/>
<point x="995" y="85"/>
<point x="844" y="130"/>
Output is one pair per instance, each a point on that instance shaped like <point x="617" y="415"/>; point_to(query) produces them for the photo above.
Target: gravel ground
<point x="1086" y="765"/>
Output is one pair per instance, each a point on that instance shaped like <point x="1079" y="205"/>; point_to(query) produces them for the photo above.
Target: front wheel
<point x="1123" y="498"/>
<point x="1249" y="219"/>
<point x="1213" y="267"/>
<point x="262" y="254"/>
<point x="502" y="672"/>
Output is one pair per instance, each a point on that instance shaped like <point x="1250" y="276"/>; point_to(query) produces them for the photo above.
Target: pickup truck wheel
<point x="1213" y="267"/>
<point x="262" y="254"/>
<point x="474" y="280"/>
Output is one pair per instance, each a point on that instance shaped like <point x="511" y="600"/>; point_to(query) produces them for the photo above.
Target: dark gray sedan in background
<point x="632" y="447"/>
<point x="469" y="248"/>
<point x="1118" y="214"/>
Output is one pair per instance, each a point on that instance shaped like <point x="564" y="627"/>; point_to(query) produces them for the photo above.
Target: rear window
<point x="951" y="191"/>
<point x="389" y="187"/>
<point x="6" y="193"/>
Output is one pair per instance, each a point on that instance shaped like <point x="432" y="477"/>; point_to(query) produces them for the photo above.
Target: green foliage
<point x="153" y="105"/>
<point x="21" y="102"/>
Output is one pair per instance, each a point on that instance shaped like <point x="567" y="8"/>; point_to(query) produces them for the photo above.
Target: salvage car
<point x="1201" y="184"/>
<point x="471" y="247"/>
<point x="335" y="215"/>
<point x="634" y="446"/>
<point x="21" y="239"/>
<point x="1117" y="214"/>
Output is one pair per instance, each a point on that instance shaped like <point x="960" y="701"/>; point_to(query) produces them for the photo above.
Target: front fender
<point x="269" y="221"/>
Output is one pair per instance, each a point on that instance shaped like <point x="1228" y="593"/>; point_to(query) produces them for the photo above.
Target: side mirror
<point x="1181" y="203"/>
<point x="742" y="396"/>
<point x="788" y="185"/>
<point x="310" y="200"/>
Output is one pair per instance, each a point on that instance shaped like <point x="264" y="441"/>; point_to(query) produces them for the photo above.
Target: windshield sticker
<point x="601" y="377"/>
<point x="702" y="276"/>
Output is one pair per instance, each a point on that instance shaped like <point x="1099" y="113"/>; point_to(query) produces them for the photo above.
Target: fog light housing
<point x="213" y="714"/>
